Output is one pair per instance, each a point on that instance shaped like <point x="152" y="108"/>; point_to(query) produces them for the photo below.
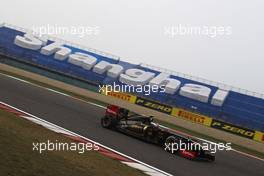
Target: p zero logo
<point x="154" y="105"/>
<point x="247" y="133"/>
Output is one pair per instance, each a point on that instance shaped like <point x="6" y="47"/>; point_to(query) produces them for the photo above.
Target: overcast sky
<point x="140" y="31"/>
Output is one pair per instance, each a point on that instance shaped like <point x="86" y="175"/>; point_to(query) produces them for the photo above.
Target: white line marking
<point x="246" y="154"/>
<point x="22" y="80"/>
<point x="52" y="90"/>
<point x="143" y="168"/>
<point x="100" y="106"/>
<point x="55" y="91"/>
<point x="75" y="134"/>
<point x="88" y="102"/>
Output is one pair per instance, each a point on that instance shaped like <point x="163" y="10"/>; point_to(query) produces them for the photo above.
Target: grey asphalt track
<point x="84" y="119"/>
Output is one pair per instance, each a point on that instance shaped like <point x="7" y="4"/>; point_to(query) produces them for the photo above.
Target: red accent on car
<point x="188" y="154"/>
<point x="112" y="110"/>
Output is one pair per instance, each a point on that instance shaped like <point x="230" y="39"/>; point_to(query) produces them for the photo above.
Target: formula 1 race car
<point x="144" y="128"/>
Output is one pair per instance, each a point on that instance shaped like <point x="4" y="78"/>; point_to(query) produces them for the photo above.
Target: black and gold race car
<point x="144" y="128"/>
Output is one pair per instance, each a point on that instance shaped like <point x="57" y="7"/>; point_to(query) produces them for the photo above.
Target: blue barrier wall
<point x="238" y="109"/>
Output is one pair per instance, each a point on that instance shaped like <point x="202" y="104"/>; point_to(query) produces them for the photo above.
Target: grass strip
<point x="18" y="158"/>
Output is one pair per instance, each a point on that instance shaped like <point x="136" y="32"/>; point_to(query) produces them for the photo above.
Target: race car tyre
<point x="171" y="144"/>
<point x="209" y="158"/>
<point x="107" y="122"/>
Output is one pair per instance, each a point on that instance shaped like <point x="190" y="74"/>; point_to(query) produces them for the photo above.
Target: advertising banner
<point x="197" y="118"/>
<point x="121" y="95"/>
<point x="259" y="136"/>
<point x="247" y="133"/>
<point x="154" y="105"/>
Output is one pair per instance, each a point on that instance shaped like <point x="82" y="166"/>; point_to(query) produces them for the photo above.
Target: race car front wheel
<point x="107" y="122"/>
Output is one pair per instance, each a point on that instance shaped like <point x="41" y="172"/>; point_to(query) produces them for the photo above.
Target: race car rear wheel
<point x="107" y="122"/>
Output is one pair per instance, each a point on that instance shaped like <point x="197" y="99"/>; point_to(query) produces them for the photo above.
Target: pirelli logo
<point x="154" y="105"/>
<point x="247" y="133"/>
<point x="122" y="96"/>
<point x="196" y="118"/>
<point x="190" y="116"/>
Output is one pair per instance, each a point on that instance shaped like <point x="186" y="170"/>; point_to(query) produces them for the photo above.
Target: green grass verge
<point x="18" y="158"/>
<point x="173" y="126"/>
